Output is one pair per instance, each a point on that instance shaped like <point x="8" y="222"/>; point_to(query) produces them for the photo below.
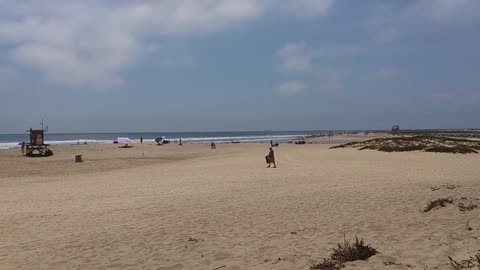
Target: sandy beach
<point x="190" y="207"/>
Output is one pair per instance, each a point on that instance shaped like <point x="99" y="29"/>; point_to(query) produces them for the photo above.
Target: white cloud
<point x="308" y="7"/>
<point x="289" y="88"/>
<point x="88" y="43"/>
<point x="392" y="21"/>
<point x="297" y="57"/>
<point x="440" y="11"/>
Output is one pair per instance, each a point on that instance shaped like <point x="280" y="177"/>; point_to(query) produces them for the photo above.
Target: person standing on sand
<point x="23" y="148"/>
<point x="270" y="158"/>
<point x="141" y="139"/>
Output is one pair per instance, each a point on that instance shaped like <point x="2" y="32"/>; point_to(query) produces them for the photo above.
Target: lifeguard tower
<point x="395" y="129"/>
<point x="37" y="146"/>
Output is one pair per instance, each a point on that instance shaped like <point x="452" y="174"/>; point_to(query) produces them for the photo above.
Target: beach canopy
<point x="122" y="140"/>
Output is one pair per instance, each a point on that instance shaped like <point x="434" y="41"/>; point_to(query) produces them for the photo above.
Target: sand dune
<point x="189" y="207"/>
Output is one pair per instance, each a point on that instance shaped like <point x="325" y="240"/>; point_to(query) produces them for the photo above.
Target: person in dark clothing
<point x="270" y="158"/>
<point x="141" y="139"/>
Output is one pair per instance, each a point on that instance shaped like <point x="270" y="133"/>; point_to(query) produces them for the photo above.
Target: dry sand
<point x="138" y="208"/>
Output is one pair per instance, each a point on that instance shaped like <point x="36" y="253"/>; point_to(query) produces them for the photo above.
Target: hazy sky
<point x="213" y="65"/>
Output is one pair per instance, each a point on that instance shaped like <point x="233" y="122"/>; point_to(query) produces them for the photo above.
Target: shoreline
<point x="309" y="136"/>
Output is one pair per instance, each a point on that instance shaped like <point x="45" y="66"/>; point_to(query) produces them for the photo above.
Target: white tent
<point x="124" y="140"/>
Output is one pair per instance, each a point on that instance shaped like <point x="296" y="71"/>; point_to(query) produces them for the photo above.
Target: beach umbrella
<point x="124" y="140"/>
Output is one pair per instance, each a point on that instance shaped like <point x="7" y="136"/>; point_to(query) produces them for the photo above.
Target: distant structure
<point x="37" y="145"/>
<point x="330" y="137"/>
<point x="395" y="128"/>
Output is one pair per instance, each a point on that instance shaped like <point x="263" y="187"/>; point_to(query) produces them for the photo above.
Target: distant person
<point x="270" y="158"/>
<point x="23" y="148"/>
<point x="180" y="142"/>
<point x="213" y="146"/>
<point x="141" y="139"/>
<point x="271" y="143"/>
<point x="126" y="146"/>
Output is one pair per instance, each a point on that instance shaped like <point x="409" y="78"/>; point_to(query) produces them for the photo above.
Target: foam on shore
<point x="244" y="139"/>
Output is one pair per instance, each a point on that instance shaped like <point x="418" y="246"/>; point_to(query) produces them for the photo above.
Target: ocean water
<point x="13" y="140"/>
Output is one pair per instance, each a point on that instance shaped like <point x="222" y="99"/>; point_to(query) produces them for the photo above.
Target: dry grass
<point x="468" y="206"/>
<point x="441" y="202"/>
<point x="346" y="252"/>
<point x="472" y="263"/>
<point x="463" y="203"/>
<point x="417" y="143"/>
<point x="327" y="264"/>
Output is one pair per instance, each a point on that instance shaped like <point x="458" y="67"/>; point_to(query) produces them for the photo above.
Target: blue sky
<point x="212" y="65"/>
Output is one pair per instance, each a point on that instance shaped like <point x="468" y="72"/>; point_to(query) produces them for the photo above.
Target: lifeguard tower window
<point x="36" y="137"/>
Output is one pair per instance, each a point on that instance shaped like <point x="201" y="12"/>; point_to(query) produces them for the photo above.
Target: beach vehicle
<point x="37" y="145"/>
<point x="161" y="140"/>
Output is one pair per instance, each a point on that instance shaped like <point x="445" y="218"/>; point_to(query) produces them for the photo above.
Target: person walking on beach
<point x="213" y="146"/>
<point x="141" y="139"/>
<point x="270" y="158"/>
<point x="23" y="148"/>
